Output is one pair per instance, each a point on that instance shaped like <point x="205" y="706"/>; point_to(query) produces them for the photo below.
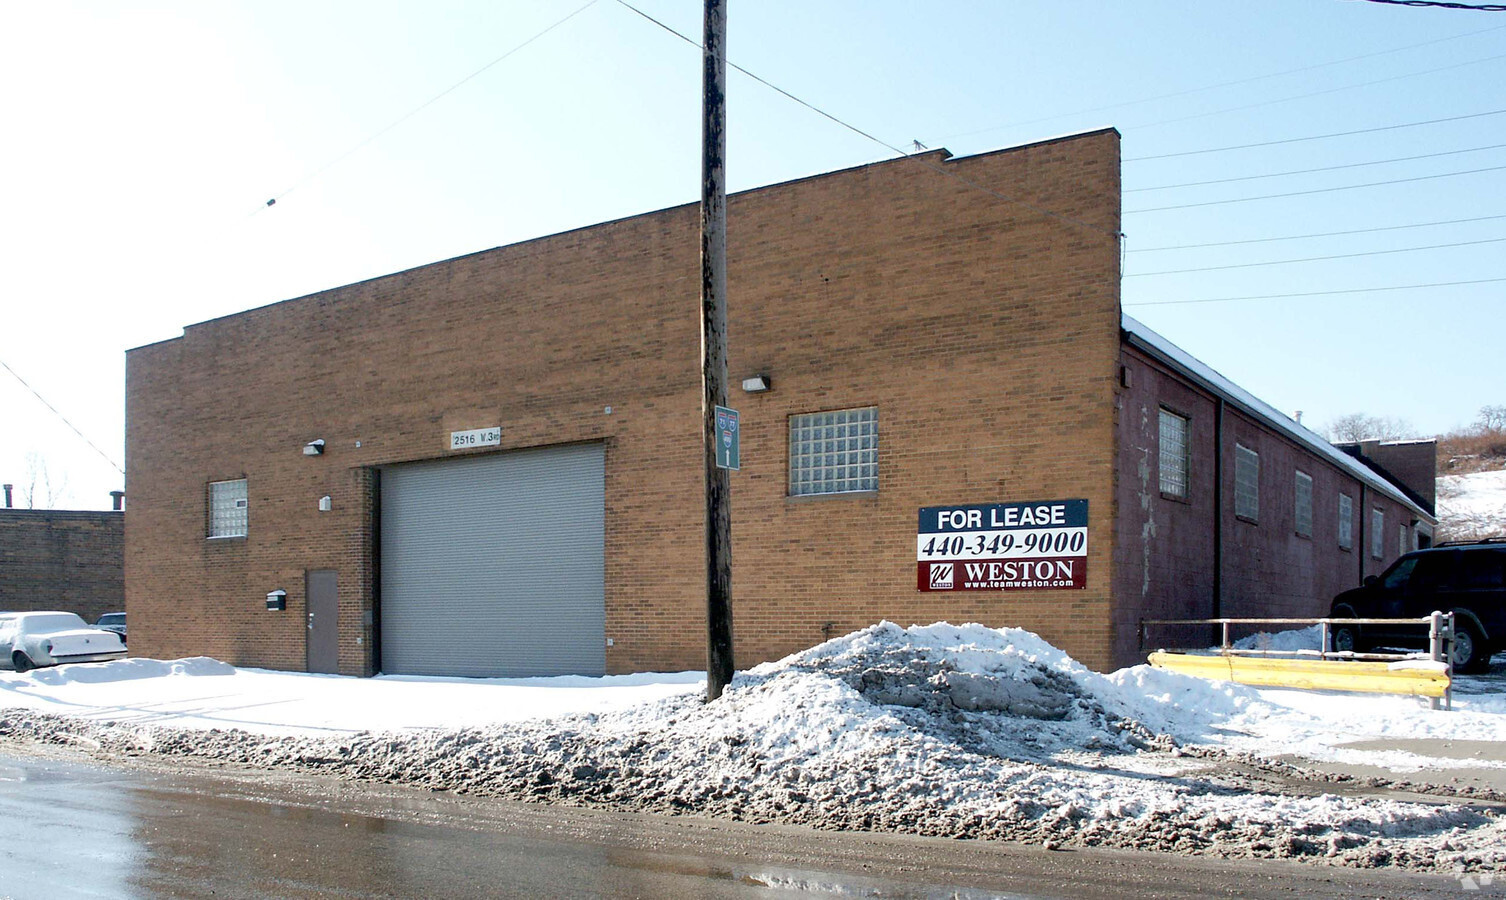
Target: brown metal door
<point x="323" y="648"/>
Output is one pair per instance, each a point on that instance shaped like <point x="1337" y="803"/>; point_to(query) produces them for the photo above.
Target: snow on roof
<point x="1208" y="377"/>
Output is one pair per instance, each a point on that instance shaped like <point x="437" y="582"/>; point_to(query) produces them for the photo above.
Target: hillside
<point x="1472" y="506"/>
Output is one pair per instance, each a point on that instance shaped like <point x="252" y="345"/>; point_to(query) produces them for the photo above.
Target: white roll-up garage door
<point x="493" y="565"/>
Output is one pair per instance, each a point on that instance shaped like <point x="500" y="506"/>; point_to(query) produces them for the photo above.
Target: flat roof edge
<point x="945" y="157"/>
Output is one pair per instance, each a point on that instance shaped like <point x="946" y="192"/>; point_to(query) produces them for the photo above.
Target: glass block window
<point x="227" y="508"/>
<point x="1346" y="522"/>
<point x="1246" y="482"/>
<point x="1175" y="454"/>
<point x="1378" y="533"/>
<point x="1303" y="487"/>
<point x="834" y="452"/>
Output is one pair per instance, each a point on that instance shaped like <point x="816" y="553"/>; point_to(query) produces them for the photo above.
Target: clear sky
<point x="141" y="141"/>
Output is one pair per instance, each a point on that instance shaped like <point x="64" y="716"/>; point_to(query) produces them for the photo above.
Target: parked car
<point x="32" y="639"/>
<point x="1467" y="578"/>
<point x="113" y="622"/>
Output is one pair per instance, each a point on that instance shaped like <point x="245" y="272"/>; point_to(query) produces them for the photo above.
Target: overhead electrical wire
<point x="1327" y="190"/>
<point x="418" y="109"/>
<point x="1321" y="234"/>
<point x="1358" y="165"/>
<point x="54" y="411"/>
<point x="1325" y="91"/>
<point x="1446" y="4"/>
<point x="1224" y="84"/>
<point x="1393" y="287"/>
<point x="1316" y="137"/>
<point x="882" y="143"/>
<point x="1046" y="212"/>
<point x="1283" y="262"/>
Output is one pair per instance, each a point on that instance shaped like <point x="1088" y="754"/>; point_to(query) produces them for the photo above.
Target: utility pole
<point x="714" y="347"/>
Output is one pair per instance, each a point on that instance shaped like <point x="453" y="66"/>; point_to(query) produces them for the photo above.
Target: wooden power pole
<point x="714" y="348"/>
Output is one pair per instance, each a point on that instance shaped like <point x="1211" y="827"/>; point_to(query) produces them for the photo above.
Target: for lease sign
<point x="1041" y="545"/>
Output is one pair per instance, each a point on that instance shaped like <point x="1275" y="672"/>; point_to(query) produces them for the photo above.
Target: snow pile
<point x="1472" y="506"/>
<point x="1310" y="638"/>
<point x="131" y="670"/>
<point x="939" y="730"/>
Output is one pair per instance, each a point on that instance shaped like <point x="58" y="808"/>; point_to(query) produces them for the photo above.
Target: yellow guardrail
<point x="1417" y="678"/>
<point x="1331" y="670"/>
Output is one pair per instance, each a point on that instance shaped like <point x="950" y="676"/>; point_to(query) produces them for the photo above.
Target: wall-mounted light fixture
<point x="325" y="504"/>
<point x="277" y="600"/>
<point x="314" y="448"/>
<point x="756" y="384"/>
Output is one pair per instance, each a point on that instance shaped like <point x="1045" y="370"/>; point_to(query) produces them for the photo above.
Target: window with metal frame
<point x="228" y="507"/>
<point x="1378" y="533"/>
<point x="1246" y="483"/>
<point x="1175" y="455"/>
<point x="834" y="452"/>
<point x="1302" y="485"/>
<point x="1346" y="522"/>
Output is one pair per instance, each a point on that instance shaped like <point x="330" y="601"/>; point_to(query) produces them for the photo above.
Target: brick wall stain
<point x="985" y="333"/>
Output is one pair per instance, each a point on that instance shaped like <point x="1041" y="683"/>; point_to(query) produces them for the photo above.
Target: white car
<point x="32" y="639"/>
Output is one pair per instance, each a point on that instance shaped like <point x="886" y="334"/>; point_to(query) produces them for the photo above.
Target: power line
<point x="1224" y="84"/>
<point x="1346" y="187"/>
<point x="1333" y="90"/>
<point x="1358" y="165"/>
<point x="1322" y="234"/>
<point x="1439" y="4"/>
<point x="882" y="143"/>
<point x="1283" y="262"/>
<point x="418" y="109"/>
<point x="61" y="416"/>
<point x="1394" y="287"/>
<point x="1316" y="137"/>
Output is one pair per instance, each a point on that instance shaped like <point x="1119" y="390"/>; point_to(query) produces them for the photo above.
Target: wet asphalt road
<point x="76" y="828"/>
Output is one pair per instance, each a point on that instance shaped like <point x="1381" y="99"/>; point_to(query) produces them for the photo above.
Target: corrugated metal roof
<point x="1205" y="375"/>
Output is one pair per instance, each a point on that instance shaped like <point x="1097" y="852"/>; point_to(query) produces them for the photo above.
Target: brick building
<point x="491" y="464"/>
<point x="69" y="560"/>
<point x="1227" y="507"/>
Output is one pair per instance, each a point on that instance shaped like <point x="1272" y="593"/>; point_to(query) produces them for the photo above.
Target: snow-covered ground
<point x="1472" y="506"/>
<point x="204" y="693"/>
<point x="941" y="729"/>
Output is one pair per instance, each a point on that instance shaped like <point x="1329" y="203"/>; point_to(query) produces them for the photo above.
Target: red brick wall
<point x="70" y="560"/>
<point x="985" y="332"/>
<point x="1165" y="547"/>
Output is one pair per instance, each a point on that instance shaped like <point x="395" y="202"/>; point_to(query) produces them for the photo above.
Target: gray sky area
<point x="1341" y="162"/>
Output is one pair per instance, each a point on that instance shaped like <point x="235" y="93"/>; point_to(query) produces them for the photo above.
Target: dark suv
<point x="1468" y="578"/>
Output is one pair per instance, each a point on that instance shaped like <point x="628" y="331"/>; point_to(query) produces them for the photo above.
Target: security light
<point x="313" y="448"/>
<point x="756" y="384"/>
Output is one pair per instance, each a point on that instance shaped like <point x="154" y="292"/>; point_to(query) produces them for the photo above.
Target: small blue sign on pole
<point x="728" y="439"/>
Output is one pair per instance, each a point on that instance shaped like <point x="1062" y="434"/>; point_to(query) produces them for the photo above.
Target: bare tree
<point x="1364" y="427"/>
<point x="40" y="490"/>
<point x="1492" y="418"/>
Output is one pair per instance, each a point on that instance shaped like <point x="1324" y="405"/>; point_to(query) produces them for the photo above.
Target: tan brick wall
<point x="985" y="333"/>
